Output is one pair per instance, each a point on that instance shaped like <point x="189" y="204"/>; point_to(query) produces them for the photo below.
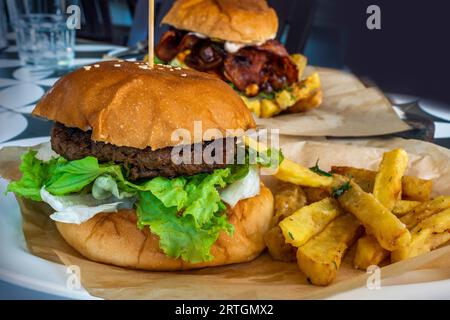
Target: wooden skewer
<point x="151" y="32"/>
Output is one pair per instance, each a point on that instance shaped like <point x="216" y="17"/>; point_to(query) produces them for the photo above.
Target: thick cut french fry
<point x="320" y="258"/>
<point x="300" y="61"/>
<point x="315" y="194"/>
<point x="308" y="221"/>
<point x="402" y="207"/>
<point x="364" y="178"/>
<point x="388" y="181"/>
<point x="253" y="104"/>
<point x="306" y="104"/>
<point x="287" y="199"/>
<point x="289" y="171"/>
<point x="387" y="190"/>
<point x="423" y="236"/>
<point x="413" y="188"/>
<point x="269" y="108"/>
<point x="307" y="89"/>
<point x="292" y="172"/>
<point x="416" y="189"/>
<point x="284" y="99"/>
<point x="278" y="248"/>
<point x="368" y="252"/>
<point x="439" y="239"/>
<point x="425" y="210"/>
<point x="390" y="232"/>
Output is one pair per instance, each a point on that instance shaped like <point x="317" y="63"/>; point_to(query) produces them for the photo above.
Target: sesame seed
<point x="177" y="68"/>
<point x="117" y="65"/>
<point x="120" y="60"/>
<point x="171" y="69"/>
<point x="87" y="68"/>
<point x="143" y="67"/>
<point x="96" y="65"/>
<point x="184" y="75"/>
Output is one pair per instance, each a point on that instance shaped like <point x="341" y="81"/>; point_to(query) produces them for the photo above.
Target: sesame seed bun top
<point x="129" y="104"/>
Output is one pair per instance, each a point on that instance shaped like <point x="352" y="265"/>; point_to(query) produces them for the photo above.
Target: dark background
<point x="409" y="55"/>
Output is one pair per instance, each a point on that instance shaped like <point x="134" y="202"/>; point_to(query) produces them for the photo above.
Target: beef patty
<point x="74" y="144"/>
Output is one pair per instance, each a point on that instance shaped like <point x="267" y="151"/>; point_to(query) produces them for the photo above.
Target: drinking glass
<point x="44" y="38"/>
<point x="3" y="26"/>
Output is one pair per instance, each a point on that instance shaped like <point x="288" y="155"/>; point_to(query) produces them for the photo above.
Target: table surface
<point x="21" y="88"/>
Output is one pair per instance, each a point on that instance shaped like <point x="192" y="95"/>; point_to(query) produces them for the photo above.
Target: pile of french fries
<point x="386" y="215"/>
<point x="304" y="95"/>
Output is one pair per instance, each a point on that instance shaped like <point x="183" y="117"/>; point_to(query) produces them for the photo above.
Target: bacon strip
<point x="274" y="47"/>
<point x="167" y="48"/>
<point x="268" y="65"/>
<point x="245" y="67"/>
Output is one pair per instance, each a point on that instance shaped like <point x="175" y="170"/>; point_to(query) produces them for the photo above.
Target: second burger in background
<point x="235" y="40"/>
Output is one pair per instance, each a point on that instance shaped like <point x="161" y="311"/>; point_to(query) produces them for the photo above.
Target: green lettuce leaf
<point x="237" y="172"/>
<point x="203" y="197"/>
<point x="106" y="186"/>
<point x="59" y="176"/>
<point x="196" y="195"/>
<point x="171" y="192"/>
<point x="73" y="176"/>
<point x="185" y="212"/>
<point x="34" y="174"/>
<point x="178" y="235"/>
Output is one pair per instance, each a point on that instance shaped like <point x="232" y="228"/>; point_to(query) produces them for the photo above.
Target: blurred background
<point x="409" y="55"/>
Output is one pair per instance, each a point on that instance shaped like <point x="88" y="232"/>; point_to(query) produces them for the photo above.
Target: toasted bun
<point x="248" y="21"/>
<point x="128" y="104"/>
<point x="113" y="238"/>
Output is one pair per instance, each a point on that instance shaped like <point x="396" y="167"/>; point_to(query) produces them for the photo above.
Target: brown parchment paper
<point x="349" y="109"/>
<point x="262" y="278"/>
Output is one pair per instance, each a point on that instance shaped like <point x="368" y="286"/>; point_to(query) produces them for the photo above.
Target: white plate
<point x="437" y="290"/>
<point x="17" y="265"/>
<point x="11" y="125"/>
<point x="21" y="268"/>
<point x="442" y="130"/>
<point x="436" y="108"/>
<point x="20" y="95"/>
<point x="96" y="47"/>
<point x="398" y="98"/>
<point x="9" y="63"/>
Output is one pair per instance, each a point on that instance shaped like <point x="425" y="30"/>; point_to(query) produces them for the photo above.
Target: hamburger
<point x="119" y="194"/>
<point x="235" y="40"/>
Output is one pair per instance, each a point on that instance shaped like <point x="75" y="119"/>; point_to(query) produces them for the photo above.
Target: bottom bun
<point x="114" y="238"/>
